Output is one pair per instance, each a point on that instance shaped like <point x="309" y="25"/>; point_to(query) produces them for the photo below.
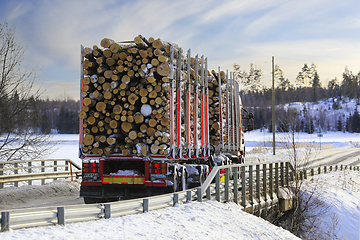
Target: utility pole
<point x="273" y="103"/>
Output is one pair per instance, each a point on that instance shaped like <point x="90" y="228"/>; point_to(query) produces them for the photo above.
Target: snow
<point x="127" y="173"/>
<point x="146" y="109"/>
<point x="210" y="220"/>
<point x="339" y="191"/>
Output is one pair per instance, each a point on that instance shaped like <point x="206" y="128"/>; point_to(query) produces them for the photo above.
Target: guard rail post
<point x="5" y="221"/>
<point x="208" y="193"/>
<point x="107" y="210"/>
<point x="175" y="199"/>
<point x="236" y="178"/>
<point x="188" y="196"/>
<point x="217" y="184"/>
<point x="61" y="216"/>
<point x="145" y="205"/>
<point x="325" y="170"/>
<point x="305" y="174"/>
<point x="199" y="194"/>
<point x="312" y="172"/>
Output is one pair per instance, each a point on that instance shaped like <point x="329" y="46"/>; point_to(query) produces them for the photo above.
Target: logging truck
<point x="154" y="119"/>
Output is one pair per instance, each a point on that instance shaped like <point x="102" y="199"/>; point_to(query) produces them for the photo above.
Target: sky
<point x="325" y="32"/>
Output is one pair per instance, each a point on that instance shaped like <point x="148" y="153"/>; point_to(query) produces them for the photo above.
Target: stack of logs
<point x="126" y="98"/>
<point x="214" y="122"/>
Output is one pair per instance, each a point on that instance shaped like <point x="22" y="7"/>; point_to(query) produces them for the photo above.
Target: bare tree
<point x="18" y="95"/>
<point x="304" y="218"/>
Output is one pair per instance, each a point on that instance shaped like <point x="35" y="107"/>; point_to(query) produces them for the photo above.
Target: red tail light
<point x="222" y="171"/>
<point x="90" y="167"/>
<point x="159" y="168"/>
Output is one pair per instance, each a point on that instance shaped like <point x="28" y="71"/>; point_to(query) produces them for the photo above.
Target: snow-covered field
<point x="212" y="220"/>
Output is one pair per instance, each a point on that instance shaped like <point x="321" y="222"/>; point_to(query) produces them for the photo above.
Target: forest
<point x="308" y="88"/>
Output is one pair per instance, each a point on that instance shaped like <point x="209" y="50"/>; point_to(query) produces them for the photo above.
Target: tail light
<point x="222" y="171"/>
<point x="92" y="167"/>
<point x="159" y="168"/>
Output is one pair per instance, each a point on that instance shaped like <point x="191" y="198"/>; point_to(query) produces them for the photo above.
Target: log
<point x="106" y="42"/>
<point x="88" y="139"/>
<point x="133" y="135"/>
<point x="126" y="126"/>
<point x="163" y="69"/>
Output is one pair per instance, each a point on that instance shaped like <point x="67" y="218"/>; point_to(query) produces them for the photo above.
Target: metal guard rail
<point x="269" y="177"/>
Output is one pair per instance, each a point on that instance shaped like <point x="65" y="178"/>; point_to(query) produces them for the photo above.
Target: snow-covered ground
<point x="212" y="220"/>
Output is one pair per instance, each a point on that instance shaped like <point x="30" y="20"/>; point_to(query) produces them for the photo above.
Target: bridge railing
<point x="256" y="187"/>
<point x="13" y="172"/>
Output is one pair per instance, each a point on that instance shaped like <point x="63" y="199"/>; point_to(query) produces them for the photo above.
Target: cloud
<point x="18" y="11"/>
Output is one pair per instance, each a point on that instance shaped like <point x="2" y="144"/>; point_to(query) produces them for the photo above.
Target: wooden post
<point x="243" y="187"/>
<point x="16" y="171"/>
<point x="29" y="171"/>
<point x="236" y="178"/>
<point x="5" y="221"/>
<point x="271" y="186"/>
<point x="227" y="185"/>
<point x="287" y="166"/>
<point x="217" y="184"/>
<point x="55" y="168"/>
<point x="277" y="179"/>
<point x="251" y="192"/>
<point x="258" y="188"/>
<point x="1" y="173"/>
<point x="43" y="170"/>
<point x="282" y="173"/>
<point x="264" y="189"/>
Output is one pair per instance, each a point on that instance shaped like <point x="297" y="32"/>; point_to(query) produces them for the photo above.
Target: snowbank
<point x="209" y="220"/>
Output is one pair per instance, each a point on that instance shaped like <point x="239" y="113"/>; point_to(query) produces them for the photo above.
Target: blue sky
<point x="326" y="32"/>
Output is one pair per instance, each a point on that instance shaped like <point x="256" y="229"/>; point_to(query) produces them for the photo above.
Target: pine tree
<point x="339" y="125"/>
<point x="356" y="122"/>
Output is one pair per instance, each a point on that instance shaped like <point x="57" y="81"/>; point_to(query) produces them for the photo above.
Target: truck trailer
<point x="154" y="119"/>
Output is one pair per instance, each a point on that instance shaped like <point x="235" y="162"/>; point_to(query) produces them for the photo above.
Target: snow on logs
<point x="126" y="98"/>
